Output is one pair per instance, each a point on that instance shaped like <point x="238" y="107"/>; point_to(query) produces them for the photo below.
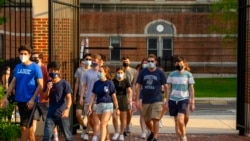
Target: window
<point x="115" y="54"/>
<point x="167" y="48"/>
<point x="153" y="46"/>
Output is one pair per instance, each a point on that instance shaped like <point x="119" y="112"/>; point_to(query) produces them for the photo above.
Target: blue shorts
<point x="176" y="107"/>
<point x="104" y="107"/>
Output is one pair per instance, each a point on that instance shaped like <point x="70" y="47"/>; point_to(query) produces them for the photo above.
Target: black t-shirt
<point x="121" y="86"/>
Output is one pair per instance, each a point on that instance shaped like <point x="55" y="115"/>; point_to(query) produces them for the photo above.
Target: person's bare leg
<point x="123" y="121"/>
<point x="155" y="127"/>
<point x="115" y="122"/>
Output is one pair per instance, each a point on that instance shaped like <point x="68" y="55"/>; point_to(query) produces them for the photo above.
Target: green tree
<point x="224" y="17"/>
<point x="2" y="19"/>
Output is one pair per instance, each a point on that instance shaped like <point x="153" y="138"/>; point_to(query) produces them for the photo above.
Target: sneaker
<point x="125" y="133"/>
<point x="55" y="137"/>
<point x="127" y="129"/>
<point x="115" y="136"/>
<point x="151" y="136"/>
<point x="94" y="138"/>
<point x="154" y="139"/>
<point x="85" y="137"/>
<point x="144" y="135"/>
<point x="161" y="124"/>
<point x="184" y="138"/>
<point x="121" y="138"/>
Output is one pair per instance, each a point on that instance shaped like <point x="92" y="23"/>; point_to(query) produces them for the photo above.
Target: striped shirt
<point x="180" y="84"/>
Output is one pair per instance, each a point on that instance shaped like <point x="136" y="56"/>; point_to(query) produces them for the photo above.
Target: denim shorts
<point x="104" y="107"/>
<point x="176" y="107"/>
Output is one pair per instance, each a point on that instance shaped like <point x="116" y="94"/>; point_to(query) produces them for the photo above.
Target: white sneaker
<point x="121" y="138"/>
<point x="115" y="136"/>
<point x="144" y="135"/>
<point x="161" y="124"/>
<point x="85" y="137"/>
<point x="94" y="138"/>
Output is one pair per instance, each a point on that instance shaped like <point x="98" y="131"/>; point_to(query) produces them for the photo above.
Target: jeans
<point x="64" y="125"/>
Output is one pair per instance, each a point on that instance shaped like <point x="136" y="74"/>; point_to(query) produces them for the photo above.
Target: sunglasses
<point x="152" y="61"/>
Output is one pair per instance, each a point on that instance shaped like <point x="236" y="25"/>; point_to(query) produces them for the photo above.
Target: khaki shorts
<point x="152" y="111"/>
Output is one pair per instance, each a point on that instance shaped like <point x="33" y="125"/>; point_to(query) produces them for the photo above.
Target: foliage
<point x="215" y="87"/>
<point x="9" y="131"/>
<point x="225" y="19"/>
<point x="2" y="19"/>
<point x="2" y="92"/>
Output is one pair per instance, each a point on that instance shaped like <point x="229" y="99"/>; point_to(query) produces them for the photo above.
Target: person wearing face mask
<point x="43" y="104"/>
<point x="142" y="65"/>
<point x="88" y="79"/>
<point x="180" y="96"/>
<point x="104" y="93"/>
<point x="27" y="82"/>
<point x="122" y="87"/>
<point x="130" y="74"/>
<point x="59" y="92"/>
<point x="85" y="64"/>
<point x="149" y="84"/>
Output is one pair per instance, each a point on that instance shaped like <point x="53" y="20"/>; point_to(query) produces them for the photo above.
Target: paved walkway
<point x="200" y="128"/>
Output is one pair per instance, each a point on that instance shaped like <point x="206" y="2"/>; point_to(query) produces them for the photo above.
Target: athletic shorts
<point x="78" y="105"/>
<point x="176" y="107"/>
<point x="41" y="111"/>
<point x="25" y="114"/>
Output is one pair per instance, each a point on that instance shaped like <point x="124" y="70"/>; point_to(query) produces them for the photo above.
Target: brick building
<point x="118" y="28"/>
<point x="166" y="28"/>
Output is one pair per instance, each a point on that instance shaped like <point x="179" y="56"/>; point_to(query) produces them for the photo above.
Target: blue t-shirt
<point x="26" y="81"/>
<point x="151" y="83"/>
<point x="104" y="91"/>
<point x="57" y="101"/>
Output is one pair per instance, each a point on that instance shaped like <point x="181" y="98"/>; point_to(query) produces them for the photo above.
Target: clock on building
<point x="159" y="28"/>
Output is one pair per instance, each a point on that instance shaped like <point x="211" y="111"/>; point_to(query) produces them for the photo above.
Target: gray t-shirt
<point x="79" y="74"/>
<point x="130" y="75"/>
<point x="89" y="78"/>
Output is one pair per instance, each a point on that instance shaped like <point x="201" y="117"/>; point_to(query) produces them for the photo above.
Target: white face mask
<point x="144" y="66"/>
<point x="151" y="65"/>
<point x="88" y="62"/>
<point x="119" y="75"/>
<point x="23" y="58"/>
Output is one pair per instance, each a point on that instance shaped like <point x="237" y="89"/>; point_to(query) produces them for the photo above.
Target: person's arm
<point x="93" y="96"/>
<point x="39" y="87"/>
<point x="68" y="105"/>
<point x="47" y="91"/>
<point x="114" y="98"/>
<point x="84" y="85"/>
<point x="77" y="81"/>
<point x="130" y="94"/>
<point x="191" y="97"/>
<point x="9" y="90"/>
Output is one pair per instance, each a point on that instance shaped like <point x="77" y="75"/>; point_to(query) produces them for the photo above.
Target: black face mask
<point x="125" y="64"/>
<point x="179" y="68"/>
<point x="36" y="61"/>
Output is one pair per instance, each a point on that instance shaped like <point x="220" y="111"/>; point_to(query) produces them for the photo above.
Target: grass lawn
<point x="215" y="87"/>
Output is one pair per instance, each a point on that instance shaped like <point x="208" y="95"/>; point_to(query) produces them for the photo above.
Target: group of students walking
<point x="102" y="96"/>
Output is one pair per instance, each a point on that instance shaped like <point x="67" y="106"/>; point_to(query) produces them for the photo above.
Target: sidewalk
<point x="201" y="127"/>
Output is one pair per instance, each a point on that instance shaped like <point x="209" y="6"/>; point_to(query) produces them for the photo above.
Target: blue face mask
<point x="151" y="65"/>
<point x="88" y="62"/>
<point x="53" y="75"/>
<point x="99" y="75"/>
